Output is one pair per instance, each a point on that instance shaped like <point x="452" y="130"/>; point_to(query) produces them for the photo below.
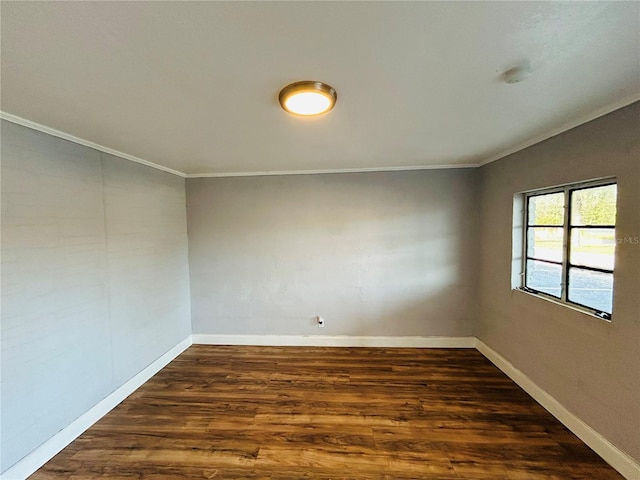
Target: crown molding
<point x="505" y="153"/>
<point x="81" y="141"/>
<point x="564" y="128"/>
<point x="334" y="170"/>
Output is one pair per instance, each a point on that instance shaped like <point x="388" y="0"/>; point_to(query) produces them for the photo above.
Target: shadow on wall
<point x="375" y="253"/>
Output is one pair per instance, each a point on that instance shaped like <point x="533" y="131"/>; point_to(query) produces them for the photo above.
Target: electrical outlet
<point x="320" y="321"/>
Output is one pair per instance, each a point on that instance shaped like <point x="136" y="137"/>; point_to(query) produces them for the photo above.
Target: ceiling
<point x="193" y="86"/>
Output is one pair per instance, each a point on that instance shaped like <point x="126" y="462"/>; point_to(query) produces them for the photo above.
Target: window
<point x="569" y="245"/>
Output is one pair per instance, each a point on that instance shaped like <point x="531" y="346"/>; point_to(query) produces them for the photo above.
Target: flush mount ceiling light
<point x="307" y="98"/>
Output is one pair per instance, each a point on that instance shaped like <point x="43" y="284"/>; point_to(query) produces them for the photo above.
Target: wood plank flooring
<point x="289" y="413"/>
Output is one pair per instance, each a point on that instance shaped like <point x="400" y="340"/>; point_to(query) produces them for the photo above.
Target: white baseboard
<point x="334" y="341"/>
<point x="619" y="460"/>
<point x="45" y="452"/>
<point x="615" y="457"/>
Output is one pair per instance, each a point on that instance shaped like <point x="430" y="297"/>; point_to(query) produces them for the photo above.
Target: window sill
<point x="570" y="306"/>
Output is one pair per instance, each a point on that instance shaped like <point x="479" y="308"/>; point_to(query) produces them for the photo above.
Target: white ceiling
<point x="193" y="86"/>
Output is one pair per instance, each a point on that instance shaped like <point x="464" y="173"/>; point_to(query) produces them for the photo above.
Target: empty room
<point x="320" y="240"/>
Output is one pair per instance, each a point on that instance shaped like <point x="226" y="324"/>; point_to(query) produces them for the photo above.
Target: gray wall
<point x="592" y="367"/>
<point x="373" y="253"/>
<point x="95" y="280"/>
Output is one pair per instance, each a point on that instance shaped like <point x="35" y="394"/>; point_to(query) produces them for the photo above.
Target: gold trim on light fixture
<point x="307" y="98"/>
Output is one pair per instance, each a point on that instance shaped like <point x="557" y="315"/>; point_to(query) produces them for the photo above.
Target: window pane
<point x="593" y="247"/>
<point x="546" y="209"/>
<point x="594" y="206"/>
<point x="544" y="277"/>
<point x="592" y="289"/>
<point x="545" y="243"/>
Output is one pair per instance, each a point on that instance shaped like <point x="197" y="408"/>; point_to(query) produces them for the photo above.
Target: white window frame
<point x="566" y="246"/>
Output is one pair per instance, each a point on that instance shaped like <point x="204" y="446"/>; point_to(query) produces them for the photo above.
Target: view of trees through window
<point x="579" y="268"/>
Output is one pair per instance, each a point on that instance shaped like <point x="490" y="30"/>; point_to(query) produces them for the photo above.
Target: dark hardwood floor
<point x="328" y="413"/>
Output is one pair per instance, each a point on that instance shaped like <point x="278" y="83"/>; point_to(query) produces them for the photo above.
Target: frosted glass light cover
<point x="308" y="103"/>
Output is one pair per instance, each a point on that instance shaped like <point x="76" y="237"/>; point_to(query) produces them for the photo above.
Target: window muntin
<point x="570" y="244"/>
